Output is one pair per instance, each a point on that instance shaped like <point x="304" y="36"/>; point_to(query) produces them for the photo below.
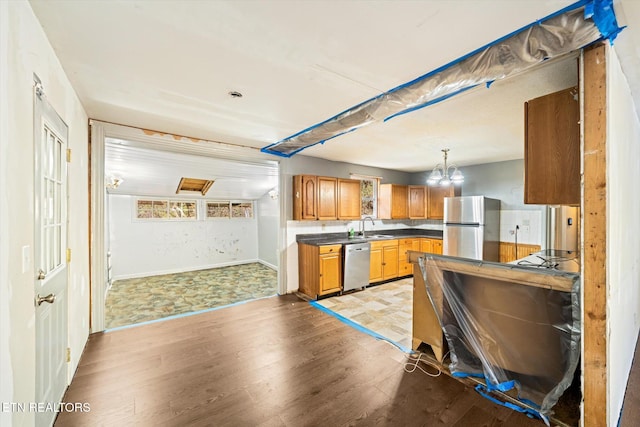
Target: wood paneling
<point x="594" y="280"/>
<point x="276" y="361"/>
<point x="552" y="149"/>
<point x="508" y="251"/>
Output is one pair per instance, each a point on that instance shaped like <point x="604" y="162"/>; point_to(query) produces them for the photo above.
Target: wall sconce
<point x="113" y="182"/>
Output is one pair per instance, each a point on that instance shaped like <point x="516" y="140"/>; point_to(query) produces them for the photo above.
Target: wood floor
<point x="271" y="362"/>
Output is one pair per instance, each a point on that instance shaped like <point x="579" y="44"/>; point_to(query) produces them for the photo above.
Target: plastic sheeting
<point x="516" y="327"/>
<point x="568" y="30"/>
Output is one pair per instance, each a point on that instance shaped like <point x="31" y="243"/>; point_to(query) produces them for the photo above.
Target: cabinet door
<point x="393" y="201"/>
<point x="375" y="265"/>
<point x="349" y="199"/>
<point x="436" y="246"/>
<point x="436" y="201"/>
<point x="400" y="202"/>
<point x="417" y="201"/>
<point x="426" y="245"/>
<point x="552" y="149"/>
<point x="304" y="197"/>
<point x="405" y="268"/>
<point x="330" y="277"/>
<point x="327" y="198"/>
<point x="389" y="262"/>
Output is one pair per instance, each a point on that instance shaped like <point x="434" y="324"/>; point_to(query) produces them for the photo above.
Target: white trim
<point x="97" y="243"/>
<point x="268" y="264"/>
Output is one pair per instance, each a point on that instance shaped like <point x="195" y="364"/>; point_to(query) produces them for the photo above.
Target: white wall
<point x="623" y="229"/>
<point x="143" y="248"/>
<point x="25" y="50"/>
<point x="268" y="215"/>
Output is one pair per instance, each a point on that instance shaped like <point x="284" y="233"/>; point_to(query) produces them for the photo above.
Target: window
<point x="166" y="209"/>
<point x="368" y="194"/>
<point x="227" y="209"/>
<point x="218" y="210"/>
<point x="242" y="210"/>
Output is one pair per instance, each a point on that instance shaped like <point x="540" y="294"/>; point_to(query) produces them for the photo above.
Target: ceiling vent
<point x="194" y="184"/>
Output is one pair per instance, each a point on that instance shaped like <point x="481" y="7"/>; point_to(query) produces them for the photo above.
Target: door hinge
<point x="68" y="354"/>
<point x="68" y="155"/>
<point x="68" y="255"/>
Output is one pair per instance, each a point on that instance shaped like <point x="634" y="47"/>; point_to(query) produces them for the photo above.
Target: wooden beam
<point x="595" y="237"/>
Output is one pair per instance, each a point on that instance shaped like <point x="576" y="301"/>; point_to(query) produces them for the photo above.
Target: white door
<point x="50" y="148"/>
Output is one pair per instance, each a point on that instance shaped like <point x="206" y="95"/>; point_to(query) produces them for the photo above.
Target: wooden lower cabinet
<point x="432" y="246"/>
<point x="319" y="269"/>
<point x="383" y="260"/>
<point x="405" y="268"/>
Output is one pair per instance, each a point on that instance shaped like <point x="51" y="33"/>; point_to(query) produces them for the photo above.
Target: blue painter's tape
<point x="603" y="15"/>
<point x="359" y="327"/>
<point x="178" y="316"/>
<point x="268" y="149"/>
<point x="466" y="374"/>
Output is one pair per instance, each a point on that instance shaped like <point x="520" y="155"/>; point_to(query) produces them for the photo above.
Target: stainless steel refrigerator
<point x="472" y="228"/>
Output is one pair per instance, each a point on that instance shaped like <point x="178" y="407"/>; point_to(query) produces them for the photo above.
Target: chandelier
<point x="440" y="174"/>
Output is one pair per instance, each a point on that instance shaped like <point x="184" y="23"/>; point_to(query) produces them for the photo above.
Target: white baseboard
<point x="267" y="264"/>
<point x="183" y="270"/>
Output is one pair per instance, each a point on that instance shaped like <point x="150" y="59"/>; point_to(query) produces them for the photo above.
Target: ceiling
<point x="170" y="66"/>
<point x="150" y="172"/>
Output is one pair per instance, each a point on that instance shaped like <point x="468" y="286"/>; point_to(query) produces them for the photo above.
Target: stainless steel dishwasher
<point x="356" y="266"/>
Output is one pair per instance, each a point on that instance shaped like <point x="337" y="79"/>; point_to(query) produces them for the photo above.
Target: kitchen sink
<point x="379" y="236"/>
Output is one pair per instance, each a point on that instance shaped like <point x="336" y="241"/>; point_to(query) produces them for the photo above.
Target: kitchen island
<point x="513" y="323"/>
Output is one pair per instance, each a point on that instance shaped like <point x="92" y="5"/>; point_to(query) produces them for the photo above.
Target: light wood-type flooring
<point x="271" y="362"/>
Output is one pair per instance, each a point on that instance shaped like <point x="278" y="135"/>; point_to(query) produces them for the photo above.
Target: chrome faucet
<point x="361" y="229"/>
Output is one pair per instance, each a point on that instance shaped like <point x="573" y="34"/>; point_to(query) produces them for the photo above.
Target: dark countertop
<point x="319" y="239"/>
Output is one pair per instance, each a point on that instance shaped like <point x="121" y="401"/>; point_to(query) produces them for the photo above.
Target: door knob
<point x="49" y="298"/>
<point x="41" y="275"/>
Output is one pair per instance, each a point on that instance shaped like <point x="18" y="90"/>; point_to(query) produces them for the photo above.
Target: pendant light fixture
<point x="440" y="174"/>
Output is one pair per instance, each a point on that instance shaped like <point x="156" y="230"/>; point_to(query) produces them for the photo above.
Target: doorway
<point x="152" y="227"/>
<point x="50" y="287"/>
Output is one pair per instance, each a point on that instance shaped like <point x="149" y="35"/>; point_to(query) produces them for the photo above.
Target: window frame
<point x="376" y="188"/>
<point x="230" y="204"/>
<point x="168" y="201"/>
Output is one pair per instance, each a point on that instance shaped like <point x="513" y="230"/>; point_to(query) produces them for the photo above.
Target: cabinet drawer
<point x="327" y="249"/>
<point x="405" y="242"/>
<point x="379" y="244"/>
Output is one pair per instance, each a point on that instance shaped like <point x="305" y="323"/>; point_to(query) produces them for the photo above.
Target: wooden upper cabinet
<point x="436" y="195"/>
<point x="305" y="197"/>
<point x="327" y="198"/>
<point x="393" y="201"/>
<point x="552" y="149"/>
<point x="349" y="206"/>
<point x="417" y="201"/>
